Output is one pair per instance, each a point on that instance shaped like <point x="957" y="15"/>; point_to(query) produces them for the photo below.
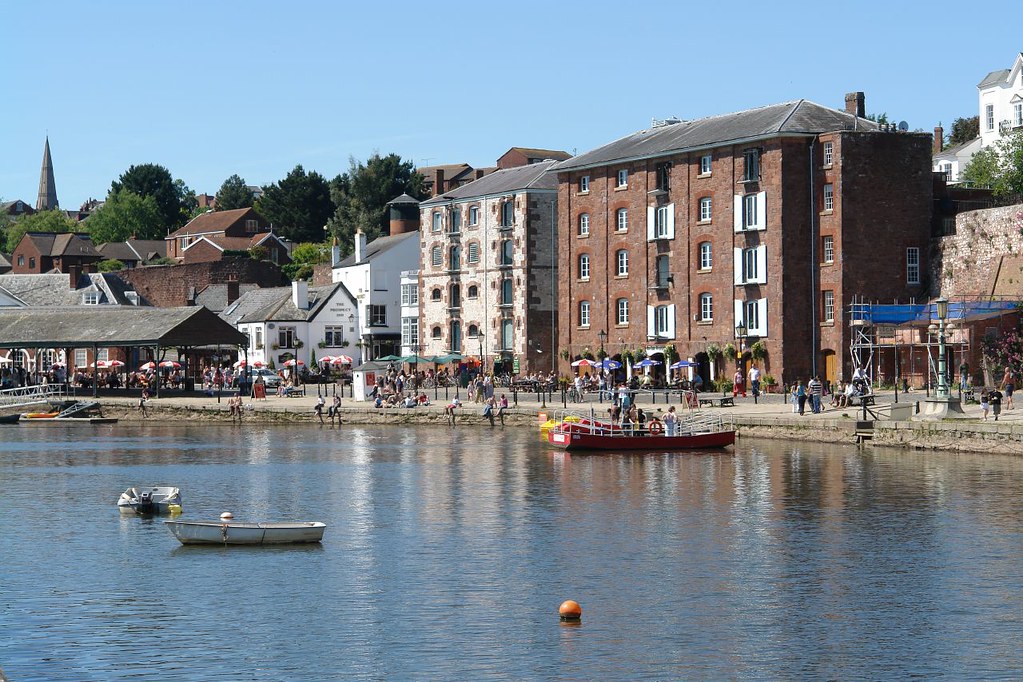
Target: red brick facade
<point x="168" y="286"/>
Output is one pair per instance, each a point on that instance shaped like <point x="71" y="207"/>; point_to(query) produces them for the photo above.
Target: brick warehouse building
<point x="774" y="217"/>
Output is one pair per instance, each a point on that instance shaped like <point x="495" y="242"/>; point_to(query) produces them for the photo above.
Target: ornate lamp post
<point x="483" y="360"/>
<point x="740" y="334"/>
<point x="942" y="405"/>
<point x="942" y="306"/>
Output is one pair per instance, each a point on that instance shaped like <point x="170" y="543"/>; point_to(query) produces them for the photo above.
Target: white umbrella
<point x="342" y="360"/>
<point x="292" y="363"/>
<point x="146" y="366"/>
<point x="170" y="364"/>
<point x="585" y="362"/>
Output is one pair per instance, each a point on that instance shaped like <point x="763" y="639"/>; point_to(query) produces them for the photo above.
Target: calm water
<point x="447" y="554"/>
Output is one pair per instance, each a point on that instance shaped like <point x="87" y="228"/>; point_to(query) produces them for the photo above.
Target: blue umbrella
<point x="682" y="364"/>
<point x="608" y="363"/>
<point x="647" y="362"/>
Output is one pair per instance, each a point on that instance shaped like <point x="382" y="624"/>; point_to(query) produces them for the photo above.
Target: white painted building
<point x="411" y="339"/>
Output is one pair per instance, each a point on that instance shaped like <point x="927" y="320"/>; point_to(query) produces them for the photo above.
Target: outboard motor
<point x="145" y="504"/>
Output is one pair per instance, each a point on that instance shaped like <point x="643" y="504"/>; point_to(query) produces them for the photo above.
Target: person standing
<point x="670" y="421"/>
<point x="1009" y="384"/>
<point x="984" y="404"/>
<point x="816" y="389"/>
<point x="994" y="398"/>
<point x="737" y="384"/>
<point x="801" y="397"/>
<point x="754" y="380"/>
<point x="964" y="374"/>
<point x="318" y="408"/>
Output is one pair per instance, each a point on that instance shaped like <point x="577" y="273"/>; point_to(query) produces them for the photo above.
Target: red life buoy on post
<point x="655" y="427"/>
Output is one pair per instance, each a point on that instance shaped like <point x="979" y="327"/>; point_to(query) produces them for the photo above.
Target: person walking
<point x="142" y="403"/>
<point x="1009" y="385"/>
<point x="801" y="397"/>
<point x="816" y="389"/>
<point x="754" y="380"/>
<point x="737" y="384"/>
<point x="318" y="408"/>
<point x="994" y="397"/>
<point x="984" y="404"/>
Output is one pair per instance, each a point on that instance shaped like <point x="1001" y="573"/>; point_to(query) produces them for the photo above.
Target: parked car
<point x="270" y="379"/>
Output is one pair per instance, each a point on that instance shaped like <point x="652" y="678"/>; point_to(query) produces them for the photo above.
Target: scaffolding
<point x="875" y="327"/>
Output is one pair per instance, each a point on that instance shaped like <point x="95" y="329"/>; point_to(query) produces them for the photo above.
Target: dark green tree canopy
<point x="173" y="198"/>
<point x="298" y="206"/>
<point x="361" y="196"/>
<point x="234" y="193"/>
<point x="964" y="130"/>
<point x="999" y="167"/>
<point x="43" y="221"/>
<point x="125" y="215"/>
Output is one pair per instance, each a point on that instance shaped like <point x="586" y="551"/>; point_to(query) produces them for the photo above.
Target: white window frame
<point x="660" y="222"/>
<point x="438" y="222"/>
<point x="829" y="154"/>
<point x="706" y="307"/>
<point x="410" y="331"/>
<point x="749" y="212"/>
<point x="474" y="216"/>
<point x="622" y="263"/>
<point x="90" y="298"/>
<point x="750" y="265"/>
<point x="584" y="313"/>
<point x="828" y="308"/>
<point x="989" y="116"/>
<point x="913" y="265"/>
<point x="706" y="256"/>
<point x="622" y="218"/>
<point x="1017" y="114"/>
<point x="661" y="321"/>
<point x="584" y="224"/>
<point x="753" y="314"/>
<point x="410" y="294"/>
<point x="584" y="267"/>
<point x="705" y="164"/>
<point x="584" y="184"/>
<point x="622" y="312"/>
<point x="828" y="248"/>
<point x="706" y="208"/>
<point x="623" y="178"/>
<point x="829" y="197"/>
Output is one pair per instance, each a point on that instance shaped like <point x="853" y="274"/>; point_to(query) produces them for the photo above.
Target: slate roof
<point x="378" y="247"/>
<point x="79" y="326"/>
<point x="452" y="171"/>
<point x="403" y="199"/>
<point x="993" y="78"/>
<point x="63" y="244"/>
<point x="950" y="152"/>
<point x="531" y="153"/>
<point x="214" y="296"/>
<point x="149" y="249"/>
<point x="533" y="176"/>
<point x="276" y="305"/>
<point x="119" y="250"/>
<point x="53" y="289"/>
<point x="213" y="222"/>
<point x="801" y="117"/>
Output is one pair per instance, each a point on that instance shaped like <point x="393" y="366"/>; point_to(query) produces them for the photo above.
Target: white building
<point x="411" y="338"/>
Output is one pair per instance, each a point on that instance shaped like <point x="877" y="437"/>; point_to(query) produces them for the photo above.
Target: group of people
<point x="811" y="391"/>
<point x="333" y="412"/>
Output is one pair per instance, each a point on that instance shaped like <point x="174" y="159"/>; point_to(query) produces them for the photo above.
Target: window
<point x="377" y="315"/>
<point x="473" y="331"/>
<point x="623" y="220"/>
<point x="81" y="357"/>
<point x="410" y="331"/>
<point x="705" y="209"/>
<point x="705" y="164"/>
<point x="259" y="339"/>
<point x="472" y="292"/>
<point x="752" y="315"/>
<point x="584" y="266"/>
<point x="507" y="286"/>
<point x="706" y="256"/>
<point x="661" y="320"/>
<point x="286" y="337"/>
<point x="913" y="265"/>
<point x="251" y="226"/>
<point x="435" y="295"/>
<point x="182" y="244"/>
<point x="1017" y="114"/>
<point x="989" y="116"/>
<point x="507" y="250"/>
<point x="508" y="213"/>
<point x="948" y="225"/>
<point x="749" y="265"/>
<point x="474" y="215"/>
<point x="829" y="306"/>
<point x="456" y="336"/>
<point x="584" y="313"/>
<point x="622" y="263"/>
<point x="622" y="311"/>
<point x="90" y="298"/>
<point x="663" y="271"/>
<point x="333" y="336"/>
<point x="829" y="153"/>
<point x="706" y="308"/>
<point x="623" y="178"/>
<point x="474" y="253"/>
<point x="829" y="197"/>
<point x="663" y="173"/>
<point x="749" y="211"/>
<point x="507" y="334"/>
<point x="751" y="165"/>
<point x="584" y="225"/>
<point x="456" y="220"/>
<point x="455" y="258"/>
<point x="31" y="261"/>
<point x="21" y="261"/>
<point x="435" y="332"/>
<point x="946" y="170"/>
<point x="584" y="183"/>
<point x="436" y="257"/>
<point x="438" y="221"/>
<point x="828" y="247"/>
<point x="661" y="223"/>
<point x="455" y="296"/>
<point x="410" y="294"/>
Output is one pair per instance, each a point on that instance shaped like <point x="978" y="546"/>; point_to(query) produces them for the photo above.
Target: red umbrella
<point x="328" y="359"/>
<point x="147" y="366"/>
<point x="292" y="363"/>
<point x="170" y="364"/>
<point x="342" y="360"/>
<point x="114" y="363"/>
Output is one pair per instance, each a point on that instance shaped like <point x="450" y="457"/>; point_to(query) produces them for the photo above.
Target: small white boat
<point x="226" y="532"/>
<point x="154" y="499"/>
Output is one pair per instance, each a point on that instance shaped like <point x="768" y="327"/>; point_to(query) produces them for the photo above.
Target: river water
<point x="448" y="552"/>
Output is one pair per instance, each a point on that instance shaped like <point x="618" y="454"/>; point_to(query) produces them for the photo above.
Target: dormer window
<point x="251" y="226"/>
<point x="90" y="298"/>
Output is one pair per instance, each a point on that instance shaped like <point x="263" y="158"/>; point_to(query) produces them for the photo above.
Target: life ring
<point x="655" y="427"/>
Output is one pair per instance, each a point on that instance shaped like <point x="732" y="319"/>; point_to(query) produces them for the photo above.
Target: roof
<point x="214" y="296"/>
<point x="75" y="327"/>
<point x="63" y="244"/>
<point x="534" y="176"/>
<point x="545" y="154"/>
<point x="993" y="78"/>
<point x="213" y="221"/>
<point x="149" y="249"/>
<point x="951" y="152"/>
<point x="54" y="289"/>
<point x="800" y="117"/>
<point x="451" y="170"/>
<point x="277" y="304"/>
<point x="378" y="247"/>
<point x="403" y="199"/>
<point x="119" y="250"/>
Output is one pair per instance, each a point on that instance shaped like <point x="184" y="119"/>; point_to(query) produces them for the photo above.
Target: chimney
<point x="191" y="296"/>
<point x="300" y="294"/>
<point x="438" y="182"/>
<point x="74" y="273"/>
<point x="360" y="246"/>
<point x="855" y="104"/>
<point x="939" y="139"/>
<point x="335" y="253"/>
<point x="232" y="290"/>
<point x="480" y="173"/>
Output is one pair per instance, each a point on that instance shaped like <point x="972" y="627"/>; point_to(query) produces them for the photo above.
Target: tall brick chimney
<point x="855" y="104"/>
<point x="939" y="139"/>
<point x="438" y="182"/>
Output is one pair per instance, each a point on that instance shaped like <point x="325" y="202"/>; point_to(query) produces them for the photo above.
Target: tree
<point x="43" y="221"/>
<point x="964" y="130"/>
<point x="361" y="196"/>
<point x="125" y="215"/>
<point x="298" y="206"/>
<point x="110" y="265"/>
<point x="304" y="257"/>
<point x="173" y="197"/>
<point x="999" y="167"/>
<point x="234" y="193"/>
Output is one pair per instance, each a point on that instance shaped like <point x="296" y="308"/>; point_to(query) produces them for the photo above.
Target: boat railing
<point x="591" y="423"/>
<point x="30" y="395"/>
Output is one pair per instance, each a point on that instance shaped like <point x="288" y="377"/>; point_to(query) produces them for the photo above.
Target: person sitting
<point x="378" y="402"/>
<point x="409" y="401"/>
<point x="423" y="400"/>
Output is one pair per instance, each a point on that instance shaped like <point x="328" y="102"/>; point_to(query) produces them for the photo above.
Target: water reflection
<point x="448" y="551"/>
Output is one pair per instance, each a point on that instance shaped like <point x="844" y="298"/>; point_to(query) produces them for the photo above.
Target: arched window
<point x="584" y="266"/>
<point x="623" y="220"/>
<point x="508" y="213"/>
<point x="622" y="263"/>
<point x="472" y="292"/>
<point x="706" y="256"/>
<point x="436" y="257"/>
<point x="706" y="206"/>
<point x="474" y="331"/>
<point x="507" y="251"/>
<point x="584" y="313"/>
<point x="435" y="332"/>
<point x="435" y="294"/>
<point x="622" y="311"/>
<point x="456" y="336"/>
<point x="506" y="291"/>
<point x="584" y="224"/>
<point x="706" y="308"/>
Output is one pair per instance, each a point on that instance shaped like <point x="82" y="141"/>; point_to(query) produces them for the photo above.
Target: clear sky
<point x="209" y="89"/>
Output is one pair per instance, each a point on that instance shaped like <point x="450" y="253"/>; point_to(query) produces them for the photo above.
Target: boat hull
<point x="155" y="499"/>
<point x="10" y="419"/>
<point x="577" y="439"/>
<point x="237" y="533"/>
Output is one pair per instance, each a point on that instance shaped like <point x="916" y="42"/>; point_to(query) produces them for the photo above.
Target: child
<point x="984" y="405"/>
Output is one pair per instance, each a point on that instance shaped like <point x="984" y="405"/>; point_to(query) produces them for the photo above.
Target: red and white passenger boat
<point x="694" y="431"/>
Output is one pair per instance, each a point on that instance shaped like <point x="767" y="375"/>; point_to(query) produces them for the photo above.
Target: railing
<point x="30" y="395"/>
<point x="592" y="423"/>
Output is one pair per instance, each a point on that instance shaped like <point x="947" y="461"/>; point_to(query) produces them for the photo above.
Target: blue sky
<point x="215" y="88"/>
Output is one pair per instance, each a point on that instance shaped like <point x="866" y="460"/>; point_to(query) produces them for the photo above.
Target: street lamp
<point x="483" y="360"/>
<point x="942" y="306"/>
<point x="740" y="334"/>
<point x="602" y="335"/>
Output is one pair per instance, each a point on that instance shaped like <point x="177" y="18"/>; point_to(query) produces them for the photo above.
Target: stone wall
<point x="984" y="256"/>
<point x="167" y="286"/>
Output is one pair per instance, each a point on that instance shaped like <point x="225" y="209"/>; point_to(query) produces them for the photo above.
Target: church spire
<point x="47" y="199"/>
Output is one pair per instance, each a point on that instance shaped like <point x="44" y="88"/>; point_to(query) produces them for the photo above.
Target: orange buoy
<point x="570" y="610"/>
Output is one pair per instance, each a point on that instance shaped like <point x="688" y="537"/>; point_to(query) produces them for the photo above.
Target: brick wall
<point x="168" y="285"/>
<point x="985" y="249"/>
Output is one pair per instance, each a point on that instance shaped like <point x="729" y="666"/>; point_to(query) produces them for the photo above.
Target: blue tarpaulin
<point x="899" y="314"/>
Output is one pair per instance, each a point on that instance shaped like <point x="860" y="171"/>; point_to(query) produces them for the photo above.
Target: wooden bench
<point x="726" y="401"/>
<point x="295" y="392"/>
